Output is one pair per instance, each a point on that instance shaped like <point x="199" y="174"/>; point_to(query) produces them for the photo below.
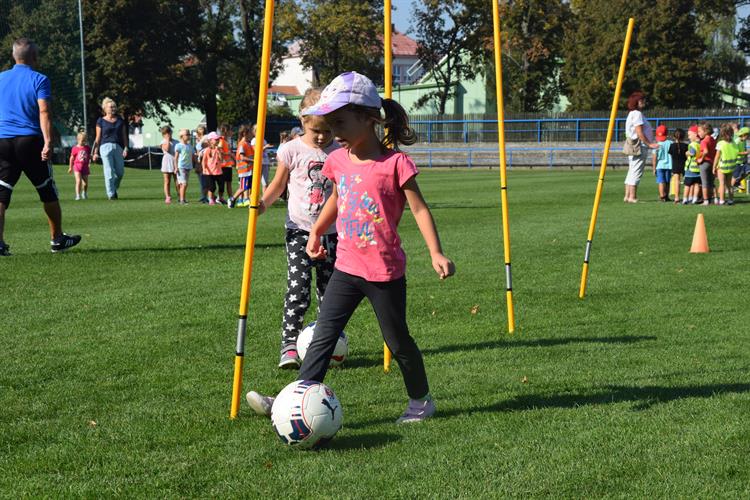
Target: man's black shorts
<point x="24" y="154"/>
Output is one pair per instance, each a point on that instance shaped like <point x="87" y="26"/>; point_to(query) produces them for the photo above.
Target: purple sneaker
<point x="417" y="411"/>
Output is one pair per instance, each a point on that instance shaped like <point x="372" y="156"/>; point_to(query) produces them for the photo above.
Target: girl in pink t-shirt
<point x="300" y="165"/>
<point x="80" y="156"/>
<point x="371" y="185"/>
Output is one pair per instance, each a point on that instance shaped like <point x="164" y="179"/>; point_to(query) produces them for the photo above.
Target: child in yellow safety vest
<point x="227" y="161"/>
<point x="725" y="161"/>
<point x="244" y="157"/>
<point x="692" y="193"/>
<point x="742" y="169"/>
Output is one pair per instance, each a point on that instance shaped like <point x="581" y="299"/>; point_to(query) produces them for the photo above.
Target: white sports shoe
<point x="259" y="403"/>
<point x="417" y="411"/>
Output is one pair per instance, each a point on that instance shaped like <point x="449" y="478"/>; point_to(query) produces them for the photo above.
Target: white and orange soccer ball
<point x="339" y="353"/>
<point x="306" y="414"/>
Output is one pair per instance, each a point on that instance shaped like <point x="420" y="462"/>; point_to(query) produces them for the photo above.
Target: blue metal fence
<point x="537" y="130"/>
<point x="540" y="156"/>
<point x="546" y="129"/>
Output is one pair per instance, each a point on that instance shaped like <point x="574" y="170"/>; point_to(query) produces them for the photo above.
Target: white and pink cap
<point x="347" y="88"/>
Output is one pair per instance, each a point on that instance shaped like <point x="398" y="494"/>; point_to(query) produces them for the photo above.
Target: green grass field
<point x="117" y="356"/>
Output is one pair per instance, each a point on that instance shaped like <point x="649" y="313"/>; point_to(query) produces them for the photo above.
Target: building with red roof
<point x="294" y="79"/>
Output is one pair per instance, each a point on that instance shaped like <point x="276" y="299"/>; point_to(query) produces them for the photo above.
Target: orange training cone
<point x="700" y="241"/>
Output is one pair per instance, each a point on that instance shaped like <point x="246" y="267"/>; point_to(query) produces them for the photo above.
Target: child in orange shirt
<point x="244" y="163"/>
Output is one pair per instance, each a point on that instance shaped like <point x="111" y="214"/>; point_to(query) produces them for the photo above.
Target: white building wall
<point x="293" y="73"/>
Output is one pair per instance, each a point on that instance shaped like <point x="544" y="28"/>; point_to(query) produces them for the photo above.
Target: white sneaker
<point x="78" y="197"/>
<point x="417" y="411"/>
<point x="259" y="403"/>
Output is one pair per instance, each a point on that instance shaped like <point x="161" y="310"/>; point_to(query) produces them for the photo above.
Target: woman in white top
<point x="637" y="127"/>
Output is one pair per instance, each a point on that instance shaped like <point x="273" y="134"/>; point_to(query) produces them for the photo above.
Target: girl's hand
<point x="95" y="157"/>
<point x="261" y="207"/>
<point x="443" y="266"/>
<point x="125" y="153"/>
<point x="70" y="170"/>
<point x="314" y="249"/>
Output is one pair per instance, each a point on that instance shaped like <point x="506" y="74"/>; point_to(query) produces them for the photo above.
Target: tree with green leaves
<point x="445" y="31"/>
<point x="240" y="71"/>
<point x="532" y="38"/>
<point x="339" y="35"/>
<point x="136" y="53"/>
<point x="668" y="56"/>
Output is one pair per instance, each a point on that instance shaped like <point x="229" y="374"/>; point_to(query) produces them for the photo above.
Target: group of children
<point x="214" y="162"/>
<point x="700" y="161"/>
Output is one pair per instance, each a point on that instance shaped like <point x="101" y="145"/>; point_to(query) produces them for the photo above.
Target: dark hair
<point x="395" y="123"/>
<point x="706" y="127"/>
<point x="244" y="131"/>
<point x="165" y="130"/>
<point x="726" y="132"/>
<point x="634" y="98"/>
<point x="679" y="134"/>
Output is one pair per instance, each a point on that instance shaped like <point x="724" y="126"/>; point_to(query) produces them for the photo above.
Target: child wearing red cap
<point x="662" y="162"/>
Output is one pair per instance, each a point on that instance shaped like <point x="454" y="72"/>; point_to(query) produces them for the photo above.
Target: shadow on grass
<point x="643" y="398"/>
<point x="212" y="246"/>
<point x="368" y="441"/>
<point x="361" y="362"/>
<point x="550" y="342"/>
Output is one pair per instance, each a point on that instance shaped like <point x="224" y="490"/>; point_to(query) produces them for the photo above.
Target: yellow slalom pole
<point x="247" y="271"/>
<point x="388" y="67"/>
<point x="605" y="157"/>
<point x="503" y="173"/>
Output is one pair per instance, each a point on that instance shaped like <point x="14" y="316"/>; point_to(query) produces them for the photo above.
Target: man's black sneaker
<point x="63" y="242"/>
<point x="4" y="250"/>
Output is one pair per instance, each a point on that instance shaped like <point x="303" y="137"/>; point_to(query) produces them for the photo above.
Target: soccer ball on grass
<point x="306" y="414"/>
<point x="339" y="353"/>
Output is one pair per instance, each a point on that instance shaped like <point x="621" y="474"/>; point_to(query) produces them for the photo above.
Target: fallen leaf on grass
<point x="92" y="423"/>
<point x="268" y="465"/>
<point x="475" y="309"/>
<point x="525" y="380"/>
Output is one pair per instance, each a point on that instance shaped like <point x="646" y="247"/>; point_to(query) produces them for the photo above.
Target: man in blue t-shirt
<point x="26" y="141"/>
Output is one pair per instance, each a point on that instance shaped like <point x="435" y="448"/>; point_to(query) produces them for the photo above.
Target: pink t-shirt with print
<point x="371" y="202"/>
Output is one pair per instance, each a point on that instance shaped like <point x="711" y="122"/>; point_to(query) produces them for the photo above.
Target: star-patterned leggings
<point x="299" y="281"/>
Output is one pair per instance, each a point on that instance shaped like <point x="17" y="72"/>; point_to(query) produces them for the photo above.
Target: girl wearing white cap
<point x="371" y="185"/>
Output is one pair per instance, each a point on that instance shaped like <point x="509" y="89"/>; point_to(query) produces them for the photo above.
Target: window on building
<point x="397" y="75"/>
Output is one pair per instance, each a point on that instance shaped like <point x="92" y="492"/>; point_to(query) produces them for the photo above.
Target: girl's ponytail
<point x="396" y="125"/>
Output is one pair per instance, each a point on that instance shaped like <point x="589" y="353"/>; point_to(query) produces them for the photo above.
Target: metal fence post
<point x="470" y="158"/>
<point x="539" y="131"/>
<point x="466" y="131"/>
